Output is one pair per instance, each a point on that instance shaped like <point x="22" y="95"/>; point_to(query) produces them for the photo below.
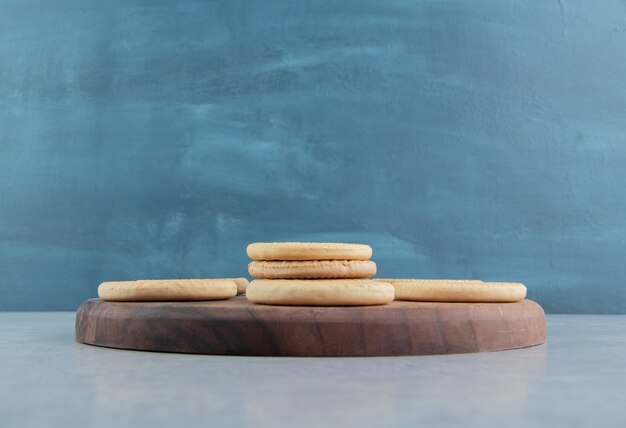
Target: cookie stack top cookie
<point x="308" y="251"/>
<point x="314" y="273"/>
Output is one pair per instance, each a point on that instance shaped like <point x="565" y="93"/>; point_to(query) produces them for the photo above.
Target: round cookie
<point x="308" y="251"/>
<point x="443" y="290"/>
<point x="167" y="290"/>
<point x="312" y="269"/>
<point x="242" y="284"/>
<point x="328" y="292"/>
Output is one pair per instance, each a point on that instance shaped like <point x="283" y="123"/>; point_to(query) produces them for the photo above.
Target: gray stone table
<point x="46" y="379"/>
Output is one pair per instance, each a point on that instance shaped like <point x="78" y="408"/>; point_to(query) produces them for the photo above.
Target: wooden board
<point x="238" y="327"/>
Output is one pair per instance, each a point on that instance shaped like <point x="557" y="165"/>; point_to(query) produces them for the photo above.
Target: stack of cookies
<point x="314" y="273"/>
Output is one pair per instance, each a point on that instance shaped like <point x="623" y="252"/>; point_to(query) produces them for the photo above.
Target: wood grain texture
<point x="238" y="327"/>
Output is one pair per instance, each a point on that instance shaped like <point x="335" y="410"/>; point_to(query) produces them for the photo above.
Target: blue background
<point x="150" y="139"/>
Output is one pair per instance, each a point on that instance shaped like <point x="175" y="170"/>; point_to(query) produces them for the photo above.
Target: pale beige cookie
<point x="443" y="290"/>
<point x="312" y="269"/>
<point x="242" y="284"/>
<point x="322" y="292"/>
<point x="167" y="290"/>
<point x="308" y="251"/>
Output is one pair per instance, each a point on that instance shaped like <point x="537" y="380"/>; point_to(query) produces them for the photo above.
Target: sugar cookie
<point x="308" y="251"/>
<point x="442" y="290"/>
<point x="167" y="289"/>
<point x="329" y="292"/>
<point x="242" y="284"/>
<point x="312" y="269"/>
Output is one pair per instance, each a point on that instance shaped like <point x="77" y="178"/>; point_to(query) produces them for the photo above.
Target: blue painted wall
<point x="149" y="139"/>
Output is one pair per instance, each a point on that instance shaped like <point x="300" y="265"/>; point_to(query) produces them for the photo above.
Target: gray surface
<point x="470" y="139"/>
<point x="577" y="380"/>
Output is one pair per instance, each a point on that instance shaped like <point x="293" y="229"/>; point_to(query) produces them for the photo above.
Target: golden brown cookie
<point x="308" y="251"/>
<point x="443" y="290"/>
<point x="323" y="292"/>
<point x="312" y="269"/>
<point x="167" y="290"/>
<point x="242" y="284"/>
